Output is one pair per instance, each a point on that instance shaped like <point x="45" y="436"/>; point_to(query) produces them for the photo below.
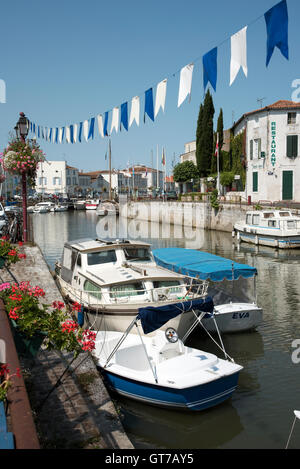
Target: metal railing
<point x="161" y="295"/>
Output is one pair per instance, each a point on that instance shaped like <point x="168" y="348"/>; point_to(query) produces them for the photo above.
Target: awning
<point x="153" y="318"/>
<point x="202" y="265"/>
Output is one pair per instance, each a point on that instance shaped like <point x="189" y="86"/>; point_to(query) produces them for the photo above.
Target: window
<point x="56" y="181"/>
<point x="130" y="289"/>
<point x="291" y="118"/>
<point x="42" y="181"/>
<point x="92" y="289"/>
<point x="255" y="181"/>
<point x="292" y="146"/>
<point x="74" y="181"/>
<point x="291" y="224"/>
<point x="255" y="220"/>
<point x="101" y="257"/>
<point x="251" y="149"/>
<point x="284" y="214"/>
<point x="257" y="148"/>
<point x="272" y="223"/>
<point x="168" y="283"/>
<point x="79" y="260"/>
<point x="269" y="215"/>
<point x="68" y="181"/>
<point x="248" y="219"/>
<point x="137" y="254"/>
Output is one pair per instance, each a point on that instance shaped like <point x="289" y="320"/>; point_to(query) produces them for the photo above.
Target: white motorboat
<point x="110" y="207"/>
<point x="43" y="207"/>
<point x="92" y="204"/>
<point x="59" y="208"/>
<point x="275" y="228"/>
<point x="113" y="279"/>
<point x="101" y="211"/>
<point x="228" y="283"/>
<point x="160" y="370"/>
<point x="79" y="205"/>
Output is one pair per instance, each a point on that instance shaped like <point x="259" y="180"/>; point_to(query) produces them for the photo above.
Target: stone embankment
<point x="79" y="412"/>
<point x="192" y="214"/>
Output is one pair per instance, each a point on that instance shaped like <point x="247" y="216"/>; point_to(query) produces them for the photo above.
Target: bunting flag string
<point x="276" y="20"/>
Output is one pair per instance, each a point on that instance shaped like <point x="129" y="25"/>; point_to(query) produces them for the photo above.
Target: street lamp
<point x="22" y="128"/>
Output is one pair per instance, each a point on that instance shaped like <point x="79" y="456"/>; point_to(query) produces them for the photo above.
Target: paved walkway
<point x="79" y="412"/>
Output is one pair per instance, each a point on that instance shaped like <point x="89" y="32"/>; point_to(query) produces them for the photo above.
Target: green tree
<point x="185" y="171"/>
<point x="238" y="157"/>
<point x="204" y="136"/>
<point x="220" y="131"/>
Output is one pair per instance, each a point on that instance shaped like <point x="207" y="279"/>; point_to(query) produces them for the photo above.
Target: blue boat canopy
<point x="153" y="318"/>
<point x="202" y="265"/>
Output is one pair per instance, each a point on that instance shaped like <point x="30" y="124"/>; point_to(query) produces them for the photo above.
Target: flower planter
<point x="27" y="347"/>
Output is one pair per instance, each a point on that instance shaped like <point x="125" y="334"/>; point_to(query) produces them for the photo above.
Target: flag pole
<point x="218" y="164"/>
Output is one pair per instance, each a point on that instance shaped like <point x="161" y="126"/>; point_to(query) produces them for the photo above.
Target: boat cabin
<point x="279" y="219"/>
<point x="115" y="270"/>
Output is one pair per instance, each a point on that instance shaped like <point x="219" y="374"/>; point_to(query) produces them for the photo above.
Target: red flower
<point x="76" y="306"/>
<point x="20" y="243"/>
<point x="4" y="370"/>
<point x="12" y="253"/>
<point x="58" y="305"/>
<point x="13" y="314"/>
<point x="69" y="326"/>
<point x="22" y="256"/>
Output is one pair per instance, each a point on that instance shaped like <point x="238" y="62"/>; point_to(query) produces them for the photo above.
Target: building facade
<point x="271" y="136"/>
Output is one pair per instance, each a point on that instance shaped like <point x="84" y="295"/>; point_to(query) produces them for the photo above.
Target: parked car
<point x="171" y="195"/>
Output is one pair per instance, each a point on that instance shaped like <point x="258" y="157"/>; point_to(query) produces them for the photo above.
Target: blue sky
<point x="66" y="61"/>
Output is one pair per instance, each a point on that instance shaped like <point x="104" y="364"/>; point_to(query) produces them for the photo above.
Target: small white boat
<point x="79" y="205"/>
<point x="230" y="314"/>
<point x="101" y="211"/>
<point x="92" y="204"/>
<point x="59" y="208"/>
<point x="275" y="228"/>
<point x="113" y="279"/>
<point x="160" y="370"/>
<point x="297" y="416"/>
<point x="30" y="209"/>
<point x="43" y="207"/>
<point x="110" y="207"/>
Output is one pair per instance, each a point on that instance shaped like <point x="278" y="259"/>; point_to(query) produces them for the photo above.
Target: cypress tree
<point x="205" y="136"/>
<point x="220" y="130"/>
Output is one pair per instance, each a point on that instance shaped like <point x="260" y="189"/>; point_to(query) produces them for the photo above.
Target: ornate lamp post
<point x="22" y="128"/>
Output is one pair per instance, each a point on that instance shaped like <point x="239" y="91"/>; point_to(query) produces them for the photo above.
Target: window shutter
<point x="259" y="147"/>
<point x="251" y="149"/>
<point x="292" y="146"/>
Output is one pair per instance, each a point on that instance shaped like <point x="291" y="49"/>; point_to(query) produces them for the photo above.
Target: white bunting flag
<point x="185" y="85"/>
<point x="68" y="134"/>
<point x="75" y="127"/>
<point x="86" y="129"/>
<point x="160" y="98"/>
<point x="238" y="54"/>
<point x="60" y="134"/>
<point x="115" y="119"/>
<point x="100" y="125"/>
<point x="135" y="111"/>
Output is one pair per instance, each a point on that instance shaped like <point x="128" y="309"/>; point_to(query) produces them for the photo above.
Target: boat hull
<point x="233" y="317"/>
<point x="281" y="242"/>
<point x="195" y="398"/>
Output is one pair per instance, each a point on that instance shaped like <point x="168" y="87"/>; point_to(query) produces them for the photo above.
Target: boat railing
<point x="165" y="294"/>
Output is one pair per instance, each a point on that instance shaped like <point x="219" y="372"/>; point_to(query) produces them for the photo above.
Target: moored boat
<point x="160" y="370"/>
<point x="92" y="204"/>
<point x="79" y="205"/>
<point x="226" y="287"/>
<point x="113" y="279"/>
<point x="275" y="228"/>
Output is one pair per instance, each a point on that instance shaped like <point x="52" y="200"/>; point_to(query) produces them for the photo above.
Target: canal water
<point x="260" y="413"/>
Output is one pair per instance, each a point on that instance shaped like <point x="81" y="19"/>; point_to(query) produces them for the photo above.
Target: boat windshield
<point x="137" y="254"/>
<point x="101" y="257"/>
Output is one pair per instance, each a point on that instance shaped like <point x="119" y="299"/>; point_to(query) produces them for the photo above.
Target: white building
<point x="56" y="177"/>
<point x="189" y="153"/>
<point x="272" y="151"/>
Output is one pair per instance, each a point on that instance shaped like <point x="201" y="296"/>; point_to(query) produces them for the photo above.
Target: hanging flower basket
<point x="22" y="158"/>
<point x="27" y="347"/>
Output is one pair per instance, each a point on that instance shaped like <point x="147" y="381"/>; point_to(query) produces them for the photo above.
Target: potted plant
<point x="9" y="254"/>
<point x="5" y="380"/>
<point x="34" y="322"/>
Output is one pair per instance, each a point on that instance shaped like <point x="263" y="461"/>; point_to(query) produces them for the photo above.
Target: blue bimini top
<point x="154" y="317"/>
<point x="202" y="265"/>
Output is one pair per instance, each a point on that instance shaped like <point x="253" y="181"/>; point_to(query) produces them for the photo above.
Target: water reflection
<point x="260" y="412"/>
